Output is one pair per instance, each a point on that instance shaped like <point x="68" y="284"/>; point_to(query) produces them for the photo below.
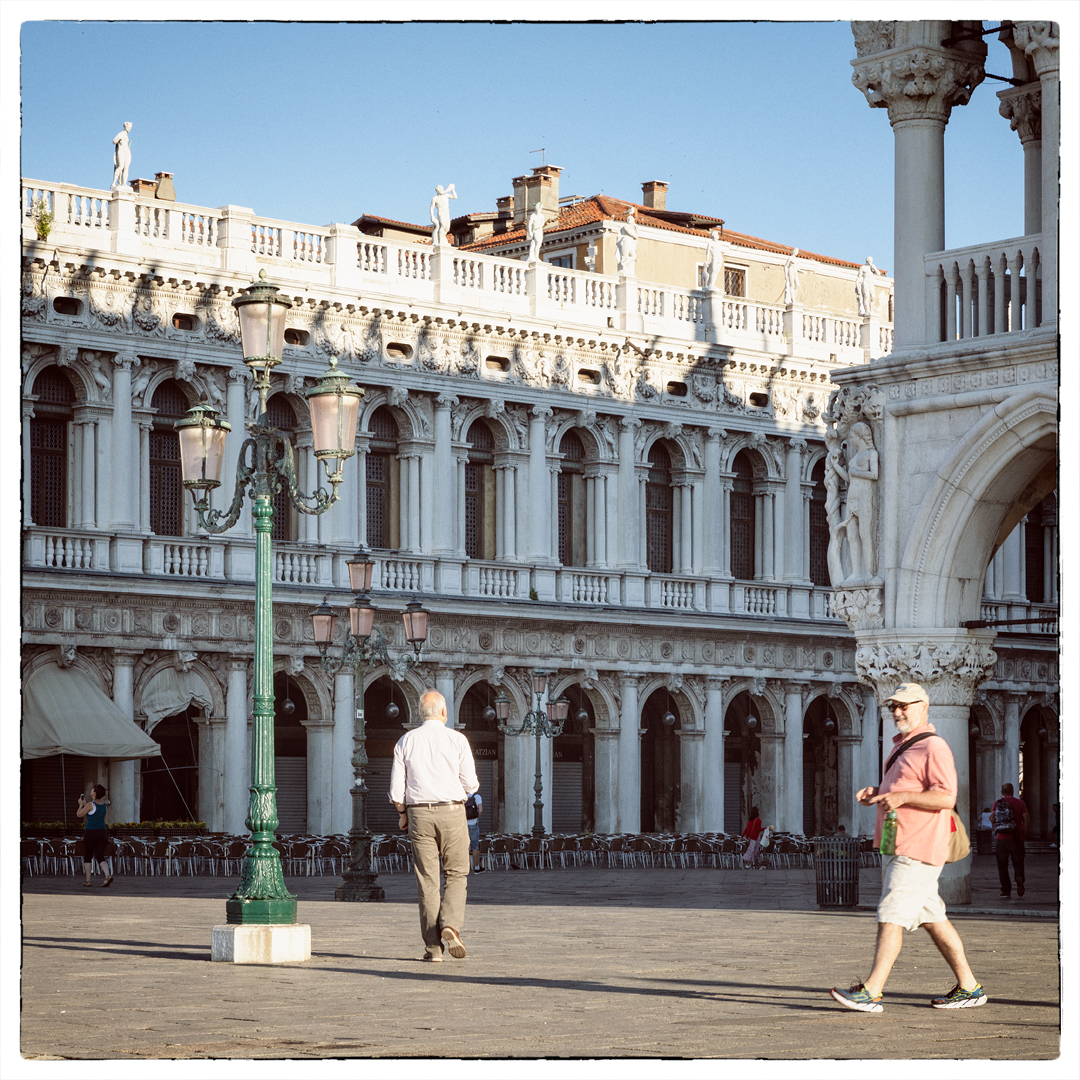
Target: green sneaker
<point x="961" y="999"/>
<point x="858" y="998"/>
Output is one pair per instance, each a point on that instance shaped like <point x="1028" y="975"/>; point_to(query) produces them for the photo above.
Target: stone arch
<point x="167" y="373"/>
<point x="676" y="450"/>
<point x="991" y="717"/>
<point x="810" y="458"/>
<point x="410" y="684"/>
<point x="411" y="422"/>
<point x="691" y="710"/>
<point x="317" y="696"/>
<point x="605" y="708"/>
<point x="1004" y="465"/>
<point x="763" y="465"/>
<point x="82" y="382"/>
<point x="88" y="665"/>
<point x="593" y="443"/>
<point x="770" y="707"/>
<point x="165" y="660"/>
<point x="846" y="708"/>
<point x="500" y="426"/>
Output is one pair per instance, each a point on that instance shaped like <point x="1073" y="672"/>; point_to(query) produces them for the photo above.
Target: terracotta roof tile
<point x="599" y="208"/>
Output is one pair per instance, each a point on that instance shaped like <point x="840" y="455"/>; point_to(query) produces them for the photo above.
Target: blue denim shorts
<point x="474" y="833"/>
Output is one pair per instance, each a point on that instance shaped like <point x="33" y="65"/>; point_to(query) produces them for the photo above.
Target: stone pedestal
<point x="274" y="943"/>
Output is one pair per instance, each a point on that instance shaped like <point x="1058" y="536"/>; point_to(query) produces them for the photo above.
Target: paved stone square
<point x="562" y="963"/>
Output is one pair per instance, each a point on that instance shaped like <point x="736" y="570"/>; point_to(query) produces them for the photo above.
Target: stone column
<point x="686" y="527"/>
<point x="445" y="538"/>
<point x="606" y="777"/>
<point x="1011" y="764"/>
<point x="122" y="513"/>
<point x="792" y="816"/>
<point x="795" y="518"/>
<point x="189" y="519"/>
<point x="1013" y="559"/>
<point x="444" y="683"/>
<point x="870" y="762"/>
<point x="1039" y="41"/>
<point x="341" y="778"/>
<point x="1022" y="107"/>
<point x="320" y="764"/>
<point x="462" y="461"/>
<point x="88" y="463"/>
<point x="770" y="800"/>
<point x="539" y="534"/>
<point x="847" y="752"/>
<point x="122" y="773"/>
<point x="510" y="510"/>
<point x="211" y="775"/>
<point x="712" y="507"/>
<point x="414" y="503"/>
<point x="713" y="756"/>
<point x="629" y="556"/>
<point x="629" y="819"/>
<point x="692" y="782"/>
<point x="237" y="762"/>
<point x="919" y="83"/>
<point x="950" y="664"/>
<point x="27" y="468"/>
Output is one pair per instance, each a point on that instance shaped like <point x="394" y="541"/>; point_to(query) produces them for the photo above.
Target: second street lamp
<point x="539" y="722"/>
<point x="364" y="647"/>
<point x="265" y="464"/>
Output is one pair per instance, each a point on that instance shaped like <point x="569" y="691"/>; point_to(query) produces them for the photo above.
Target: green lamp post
<point x="541" y="723"/>
<point x="265" y="464"/>
<point x="364" y="647"/>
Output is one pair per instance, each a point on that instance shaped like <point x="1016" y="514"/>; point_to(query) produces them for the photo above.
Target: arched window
<point x="480" y="493"/>
<point x="280" y="414"/>
<point x="819" y="528"/>
<point x="49" y="448"/>
<point x="572" y="506"/>
<point x="382" y="481"/>
<point x="658" y="510"/>
<point x="742" y="519"/>
<point x="166" y="506"/>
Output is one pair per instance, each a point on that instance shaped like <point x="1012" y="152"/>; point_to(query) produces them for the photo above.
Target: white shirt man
<point x="432" y="774"/>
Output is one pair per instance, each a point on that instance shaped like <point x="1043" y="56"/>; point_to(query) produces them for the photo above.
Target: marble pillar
<point x="713" y="757"/>
<point x="237" y="762"/>
<point x="629" y="527"/>
<point x="791" y="817"/>
<point x="341" y="777"/>
<point x="123" y="518"/>
<point x="445" y="522"/>
<point x="1010" y="766"/>
<point x="121" y="782"/>
<point x="692" y="781"/>
<point x="444" y="683"/>
<point x="320" y="762"/>
<point x="606" y="778"/>
<point x="795" y="517"/>
<point x="539" y="533"/>
<point x="629" y="755"/>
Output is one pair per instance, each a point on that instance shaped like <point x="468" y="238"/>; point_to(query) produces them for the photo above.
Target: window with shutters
<point x="573" y="511"/>
<point x="658" y="510"/>
<point x="1034" y="555"/>
<point x="281" y="415"/>
<point x="742" y="519"/>
<point x="166" y="508"/>
<point x="381" y="480"/>
<point x="480" y="493"/>
<point x="819" y="529"/>
<point x="49" y="448"/>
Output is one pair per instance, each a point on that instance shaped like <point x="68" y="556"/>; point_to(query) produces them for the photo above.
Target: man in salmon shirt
<point x="920" y="785"/>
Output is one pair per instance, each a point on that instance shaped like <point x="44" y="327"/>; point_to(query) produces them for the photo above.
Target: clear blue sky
<point x="757" y="123"/>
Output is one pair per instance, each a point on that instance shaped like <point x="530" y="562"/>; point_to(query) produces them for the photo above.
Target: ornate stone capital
<point x="542" y="412"/>
<point x="629" y="423"/>
<point x="921" y="82"/>
<point x="949" y="664"/>
<point x="860" y="608"/>
<point x="1022" y="107"/>
<point x="445" y="401"/>
<point x="126" y="361"/>
<point x="1039" y="40"/>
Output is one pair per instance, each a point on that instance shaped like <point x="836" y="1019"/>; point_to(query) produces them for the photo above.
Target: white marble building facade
<point x="616" y="480"/>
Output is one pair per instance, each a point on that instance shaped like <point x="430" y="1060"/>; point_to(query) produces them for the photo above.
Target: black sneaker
<point x="1019" y="888"/>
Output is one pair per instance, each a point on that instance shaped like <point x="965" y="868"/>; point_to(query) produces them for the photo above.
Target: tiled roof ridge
<point x="393" y="221"/>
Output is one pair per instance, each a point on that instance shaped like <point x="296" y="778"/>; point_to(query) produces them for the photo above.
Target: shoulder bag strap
<point x="903" y="746"/>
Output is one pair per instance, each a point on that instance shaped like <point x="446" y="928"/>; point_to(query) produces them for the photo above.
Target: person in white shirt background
<point x="432" y="775"/>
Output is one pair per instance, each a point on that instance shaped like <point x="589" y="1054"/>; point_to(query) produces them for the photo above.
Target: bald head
<point x="432" y="706"/>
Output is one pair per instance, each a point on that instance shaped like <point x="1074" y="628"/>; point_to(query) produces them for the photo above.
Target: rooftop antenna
<point x="542" y="153"/>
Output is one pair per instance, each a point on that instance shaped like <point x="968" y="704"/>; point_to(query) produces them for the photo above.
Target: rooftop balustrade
<point x="233" y="238"/>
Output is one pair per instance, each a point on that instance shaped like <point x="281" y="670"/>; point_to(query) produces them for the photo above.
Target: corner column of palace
<point x="341" y="782"/>
<point x="713" y="755"/>
<point x="791" y="817"/>
<point x="903" y="68"/>
<point x="122" y="773"/>
<point x="237" y="759"/>
<point x="949" y="664"/>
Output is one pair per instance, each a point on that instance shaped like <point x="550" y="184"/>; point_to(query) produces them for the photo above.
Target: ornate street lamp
<point x="540" y="722"/>
<point x="265" y="463"/>
<point x="364" y="647"/>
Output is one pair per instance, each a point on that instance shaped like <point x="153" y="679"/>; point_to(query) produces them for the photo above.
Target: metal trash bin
<point x="836" y="872"/>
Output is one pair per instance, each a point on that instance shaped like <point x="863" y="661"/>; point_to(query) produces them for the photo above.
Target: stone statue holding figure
<point x="122" y="158"/>
<point x="534" y="232"/>
<point x="440" y="214"/>
<point x="791" y="278"/>
<point x="626" y="247"/>
<point x="864" y="287"/>
<point x="712" y="271"/>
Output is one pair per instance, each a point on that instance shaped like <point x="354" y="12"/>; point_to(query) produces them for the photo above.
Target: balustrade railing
<point x="583" y="587"/>
<point x="984" y="289"/>
<point x="65" y="551"/>
<point x="760" y="600"/>
<point x="296" y="567"/>
<point x="1044" y="616"/>
<point x="401" y="575"/>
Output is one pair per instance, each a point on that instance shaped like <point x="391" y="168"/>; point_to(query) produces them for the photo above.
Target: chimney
<point x="654" y="194"/>
<point x="143" y="187"/>
<point x="542" y="187"/>
<point x="505" y="205"/>
<point x="165" y="190"/>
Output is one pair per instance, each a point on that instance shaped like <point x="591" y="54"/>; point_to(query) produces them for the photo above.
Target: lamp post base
<point x="359" y="886"/>
<point x="261" y="944"/>
<point x="259" y="911"/>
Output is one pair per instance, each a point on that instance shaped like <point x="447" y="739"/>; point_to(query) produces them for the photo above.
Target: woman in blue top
<point x="95" y="835"/>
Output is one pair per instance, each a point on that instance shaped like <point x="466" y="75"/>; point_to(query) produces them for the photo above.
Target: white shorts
<point x="909" y="893"/>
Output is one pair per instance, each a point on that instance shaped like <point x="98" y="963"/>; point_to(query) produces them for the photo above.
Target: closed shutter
<point x="48" y="484"/>
<point x="377" y="501"/>
<point x="566" y="797"/>
<point x="485" y="773"/>
<point x="733" y="822"/>
<point x="809" y="771"/>
<point x="381" y="815"/>
<point x="291" y="776"/>
<point x="55" y="783"/>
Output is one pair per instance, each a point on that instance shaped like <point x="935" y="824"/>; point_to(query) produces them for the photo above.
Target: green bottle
<point x="888" y="834"/>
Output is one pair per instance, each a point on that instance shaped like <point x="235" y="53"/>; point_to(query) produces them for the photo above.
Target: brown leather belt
<point x="456" y="802"/>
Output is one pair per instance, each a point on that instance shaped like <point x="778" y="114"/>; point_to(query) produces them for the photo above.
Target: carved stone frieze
<point x="949" y="670"/>
<point x="860" y="608"/>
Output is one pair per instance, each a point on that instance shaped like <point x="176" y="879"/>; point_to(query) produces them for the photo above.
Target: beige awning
<point x="65" y="713"/>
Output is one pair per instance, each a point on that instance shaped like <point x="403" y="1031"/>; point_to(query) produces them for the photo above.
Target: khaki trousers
<point x="439" y="832"/>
